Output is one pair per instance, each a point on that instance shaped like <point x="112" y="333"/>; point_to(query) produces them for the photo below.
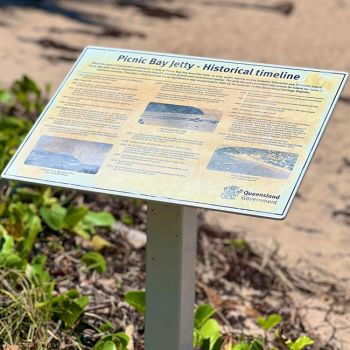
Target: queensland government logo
<point x="231" y="192"/>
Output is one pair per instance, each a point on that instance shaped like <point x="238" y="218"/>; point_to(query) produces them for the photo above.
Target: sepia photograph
<point x="68" y="154"/>
<point x="181" y="117"/>
<point x="253" y="161"/>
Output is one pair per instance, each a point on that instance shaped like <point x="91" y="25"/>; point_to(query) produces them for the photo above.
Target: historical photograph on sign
<point x="253" y="161"/>
<point x="68" y="154"/>
<point x="182" y="117"/>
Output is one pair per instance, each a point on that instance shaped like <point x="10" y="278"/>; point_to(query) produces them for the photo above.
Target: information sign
<point x="201" y="132"/>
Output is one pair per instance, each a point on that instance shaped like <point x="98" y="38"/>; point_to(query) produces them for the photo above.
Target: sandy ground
<point x="315" y="237"/>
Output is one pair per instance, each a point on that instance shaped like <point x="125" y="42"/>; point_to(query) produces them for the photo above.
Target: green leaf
<point x="39" y="276"/>
<point x="120" y="341"/>
<point x="95" y="261"/>
<point x="137" y="299"/>
<point x="47" y="198"/>
<point x="210" y="329"/>
<point x="256" y="344"/>
<point x="69" y="306"/>
<point x="5" y="97"/>
<point x="267" y="323"/>
<point x="54" y="216"/>
<point x="210" y="334"/>
<point x="74" y="215"/>
<point x="300" y="343"/>
<point x="218" y="343"/>
<point x="83" y="301"/>
<point x="86" y="227"/>
<point x="103" y="219"/>
<point x="241" y="346"/>
<point x="212" y="344"/>
<point x="202" y="314"/>
<point x="8" y="256"/>
<point x="106" y="345"/>
<point x="32" y="229"/>
<point x="27" y="94"/>
<point x="127" y="219"/>
<point x="8" y="245"/>
<point x="105" y="327"/>
<point x="239" y="244"/>
<point x="72" y="294"/>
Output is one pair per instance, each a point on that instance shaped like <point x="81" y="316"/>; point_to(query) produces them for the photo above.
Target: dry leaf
<point x="227" y="345"/>
<point x="129" y="331"/>
<point x="98" y="243"/>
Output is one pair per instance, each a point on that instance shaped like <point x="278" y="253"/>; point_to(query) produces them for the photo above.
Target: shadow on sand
<point x="147" y="8"/>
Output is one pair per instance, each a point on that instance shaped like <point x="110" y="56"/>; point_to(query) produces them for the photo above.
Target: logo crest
<point x="231" y="192"/>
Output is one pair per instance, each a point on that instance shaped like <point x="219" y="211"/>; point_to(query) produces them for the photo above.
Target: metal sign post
<point x="170" y="277"/>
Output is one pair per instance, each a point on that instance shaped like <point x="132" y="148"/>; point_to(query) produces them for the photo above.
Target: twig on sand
<point x="284" y="8"/>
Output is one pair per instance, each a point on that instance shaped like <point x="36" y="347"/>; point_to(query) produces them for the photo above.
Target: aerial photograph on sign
<point x="253" y="161"/>
<point x="182" y="117"/>
<point x="68" y="154"/>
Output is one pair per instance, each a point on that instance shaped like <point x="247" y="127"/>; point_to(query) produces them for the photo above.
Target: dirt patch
<point x="241" y="281"/>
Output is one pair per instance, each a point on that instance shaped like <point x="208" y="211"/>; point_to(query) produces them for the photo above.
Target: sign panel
<point x="210" y="133"/>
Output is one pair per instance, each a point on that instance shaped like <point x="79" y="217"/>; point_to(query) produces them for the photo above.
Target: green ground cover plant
<point x="30" y="310"/>
<point x="207" y="331"/>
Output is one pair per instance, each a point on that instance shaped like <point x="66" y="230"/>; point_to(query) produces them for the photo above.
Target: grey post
<point x="170" y="277"/>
